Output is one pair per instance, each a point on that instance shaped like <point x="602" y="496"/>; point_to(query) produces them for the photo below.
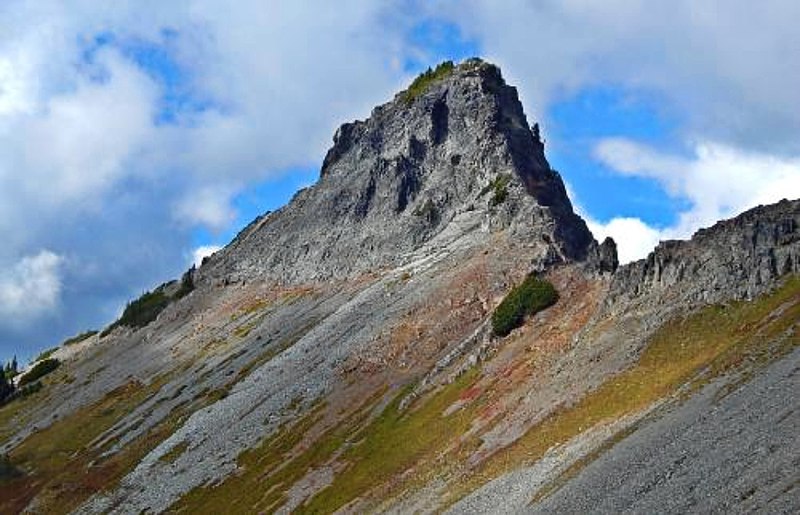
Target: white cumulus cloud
<point x="78" y="143"/>
<point x="203" y="251"/>
<point x="126" y="127"/>
<point x="634" y="238"/>
<point x="728" y="68"/>
<point x="717" y="181"/>
<point x="30" y="288"/>
<point x="208" y="206"/>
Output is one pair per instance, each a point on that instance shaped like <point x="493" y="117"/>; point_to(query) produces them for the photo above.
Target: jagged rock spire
<point x="456" y="141"/>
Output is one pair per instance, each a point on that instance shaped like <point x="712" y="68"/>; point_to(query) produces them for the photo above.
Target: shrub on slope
<point x="39" y="370"/>
<point x="528" y="298"/>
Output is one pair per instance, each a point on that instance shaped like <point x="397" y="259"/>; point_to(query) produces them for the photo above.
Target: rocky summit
<point x="430" y="327"/>
<point x="458" y="154"/>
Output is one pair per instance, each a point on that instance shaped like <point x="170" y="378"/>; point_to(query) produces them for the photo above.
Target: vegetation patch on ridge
<point x="39" y="370"/>
<point x="45" y="354"/>
<point x="187" y="284"/>
<point x="423" y="81"/>
<point x="528" y="298"/>
<point x="140" y="312"/>
<point x="499" y="189"/>
<point x="145" y="309"/>
<point x="79" y="338"/>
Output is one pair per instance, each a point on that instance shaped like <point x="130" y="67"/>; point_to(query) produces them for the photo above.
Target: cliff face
<point x="738" y="258"/>
<point x="339" y="353"/>
<point x="461" y="148"/>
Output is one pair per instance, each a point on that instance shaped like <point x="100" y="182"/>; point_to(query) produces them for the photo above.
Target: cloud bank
<point x="30" y="287"/>
<point x="727" y="69"/>
<point x="126" y="128"/>
<point x="718" y="182"/>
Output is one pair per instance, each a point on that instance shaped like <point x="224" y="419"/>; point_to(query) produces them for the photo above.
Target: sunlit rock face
<point x="461" y="147"/>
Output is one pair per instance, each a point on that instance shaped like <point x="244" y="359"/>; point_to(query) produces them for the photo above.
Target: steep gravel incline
<point x="739" y="454"/>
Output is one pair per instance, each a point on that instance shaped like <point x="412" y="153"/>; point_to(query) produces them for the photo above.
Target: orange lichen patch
<point x="220" y="324"/>
<point x="470" y="394"/>
<point x="488" y="413"/>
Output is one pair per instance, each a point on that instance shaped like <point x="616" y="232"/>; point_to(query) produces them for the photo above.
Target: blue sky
<point x="135" y="139"/>
<point x="579" y="121"/>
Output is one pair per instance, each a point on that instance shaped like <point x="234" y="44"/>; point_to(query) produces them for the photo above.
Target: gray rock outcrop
<point x="738" y="258"/>
<point x="393" y="182"/>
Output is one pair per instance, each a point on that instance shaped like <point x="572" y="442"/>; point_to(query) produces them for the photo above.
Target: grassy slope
<point x="396" y="441"/>
<point x="370" y="451"/>
<point x="62" y="469"/>
<point x="687" y="351"/>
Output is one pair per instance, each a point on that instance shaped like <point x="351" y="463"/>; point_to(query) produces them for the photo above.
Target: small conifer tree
<point x="6" y="388"/>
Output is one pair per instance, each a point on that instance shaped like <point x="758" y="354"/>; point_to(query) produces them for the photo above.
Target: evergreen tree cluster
<point x="39" y="370"/>
<point x="187" y="283"/>
<point x="6" y="389"/>
<point x="140" y="312"/>
<point x="426" y="78"/>
<point x="28" y="384"/>
<point x="9" y="371"/>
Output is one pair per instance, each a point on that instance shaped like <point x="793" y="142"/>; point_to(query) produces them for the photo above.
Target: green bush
<point x="426" y="78"/>
<point x="187" y="284"/>
<point x="499" y="189"/>
<point x="145" y="309"/>
<point x="6" y="389"/>
<point x="28" y="389"/>
<point x="45" y="354"/>
<point x="79" y="338"/>
<point x="39" y="370"/>
<point x="530" y="297"/>
<point x="142" y="311"/>
<point x="10" y="370"/>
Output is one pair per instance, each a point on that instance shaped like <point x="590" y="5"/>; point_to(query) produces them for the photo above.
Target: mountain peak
<point x="384" y="376"/>
<point x="453" y="148"/>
